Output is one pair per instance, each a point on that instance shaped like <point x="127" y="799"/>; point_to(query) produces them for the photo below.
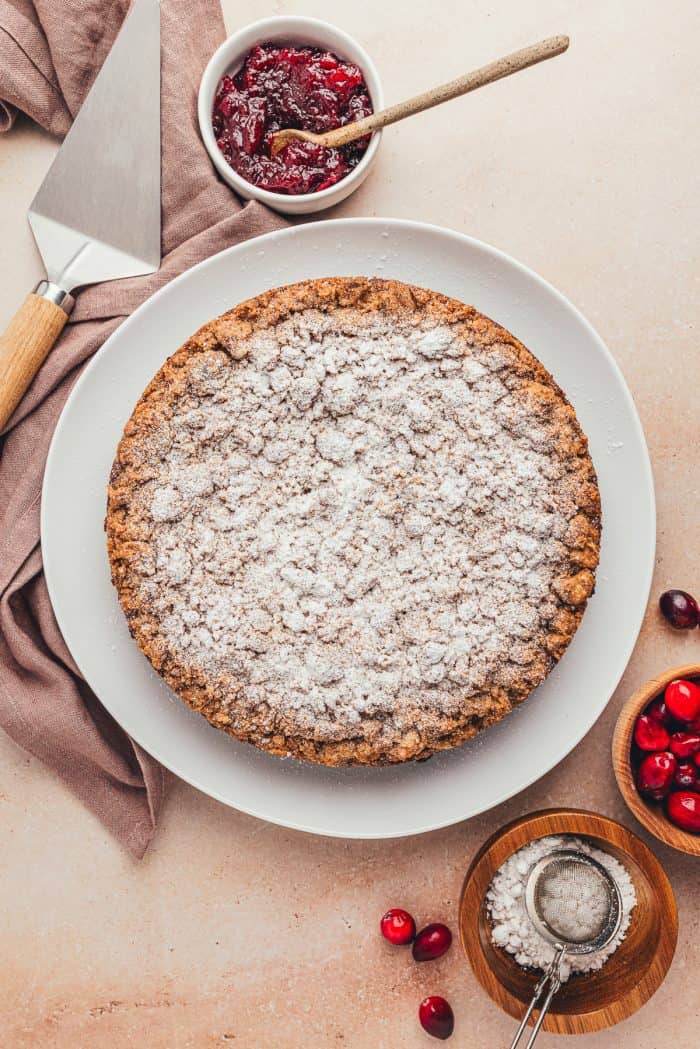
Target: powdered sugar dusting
<point x="356" y="520"/>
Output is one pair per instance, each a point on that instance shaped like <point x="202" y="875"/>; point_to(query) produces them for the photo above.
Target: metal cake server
<point x="96" y="216"/>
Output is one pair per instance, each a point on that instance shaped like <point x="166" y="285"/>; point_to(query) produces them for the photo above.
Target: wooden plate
<point x="650" y="816"/>
<point x="638" y="967"/>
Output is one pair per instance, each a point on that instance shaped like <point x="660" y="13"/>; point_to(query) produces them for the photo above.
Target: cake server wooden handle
<point x="27" y="340"/>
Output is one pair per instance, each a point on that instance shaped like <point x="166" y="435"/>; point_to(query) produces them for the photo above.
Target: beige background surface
<point x="235" y="932"/>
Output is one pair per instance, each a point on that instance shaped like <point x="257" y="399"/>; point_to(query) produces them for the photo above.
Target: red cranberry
<point x="696" y="759"/>
<point x="432" y="942"/>
<point x="659" y="711"/>
<point x="683" y="809"/>
<point x="684" y="744"/>
<point x="650" y="734"/>
<point x="655" y="775"/>
<point x="686" y="775"/>
<point x="680" y="609"/>
<point x="436" y="1017"/>
<point x="683" y="700"/>
<point x="398" y="927"/>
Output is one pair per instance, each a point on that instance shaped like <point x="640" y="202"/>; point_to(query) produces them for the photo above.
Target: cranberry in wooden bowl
<point x="288" y="71"/>
<point x="656" y="756"/>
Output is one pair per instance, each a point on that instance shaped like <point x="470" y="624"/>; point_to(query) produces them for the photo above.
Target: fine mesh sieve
<point x="572" y="900"/>
<point x="574" y="904"/>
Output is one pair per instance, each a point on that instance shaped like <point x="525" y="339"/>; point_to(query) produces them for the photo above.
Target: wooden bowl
<point x="649" y="815"/>
<point x="636" y="969"/>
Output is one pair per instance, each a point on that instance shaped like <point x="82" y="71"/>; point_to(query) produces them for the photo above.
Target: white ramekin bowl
<point x="288" y="29"/>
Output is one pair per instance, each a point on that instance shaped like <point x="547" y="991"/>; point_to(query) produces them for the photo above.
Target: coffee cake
<point x="353" y="521"/>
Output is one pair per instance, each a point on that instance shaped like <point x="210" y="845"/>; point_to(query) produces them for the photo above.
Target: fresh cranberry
<point x="659" y="711"/>
<point x="650" y="734"/>
<point x="684" y="744"/>
<point x="431" y="942"/>
<point x="686" y="775"/>
<point x="696" y="759"/>
<point x="655" y="775"/>
<point x="290" y="87"/>
<point x="436" y="1017"/>
<point x="398" y="927"/>
<point x="683" y="809"/>
<point x="683" y="700"/>
<point x="680" y="609"/>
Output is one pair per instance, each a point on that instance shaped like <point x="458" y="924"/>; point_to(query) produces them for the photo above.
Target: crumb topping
<point x="365" y="519"/>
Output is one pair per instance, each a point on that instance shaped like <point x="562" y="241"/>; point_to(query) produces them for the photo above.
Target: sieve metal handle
<point x="548" y="985"/>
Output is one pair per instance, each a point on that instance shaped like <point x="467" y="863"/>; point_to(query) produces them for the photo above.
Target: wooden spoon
<point x="502" y="67"/>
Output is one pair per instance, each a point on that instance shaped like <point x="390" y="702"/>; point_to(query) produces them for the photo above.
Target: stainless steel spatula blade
<point x="96" y="216"/>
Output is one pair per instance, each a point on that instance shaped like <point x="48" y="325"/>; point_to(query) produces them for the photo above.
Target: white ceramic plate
<point x="364" y="803"/>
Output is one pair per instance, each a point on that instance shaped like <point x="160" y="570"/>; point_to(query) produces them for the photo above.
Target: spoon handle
<point x="502" y="67"/>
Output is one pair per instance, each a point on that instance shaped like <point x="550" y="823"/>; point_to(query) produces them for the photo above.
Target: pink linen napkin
<point x="50" y="52"/>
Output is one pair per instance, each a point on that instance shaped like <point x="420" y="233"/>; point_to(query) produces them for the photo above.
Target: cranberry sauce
<point x="290" y="87"/>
